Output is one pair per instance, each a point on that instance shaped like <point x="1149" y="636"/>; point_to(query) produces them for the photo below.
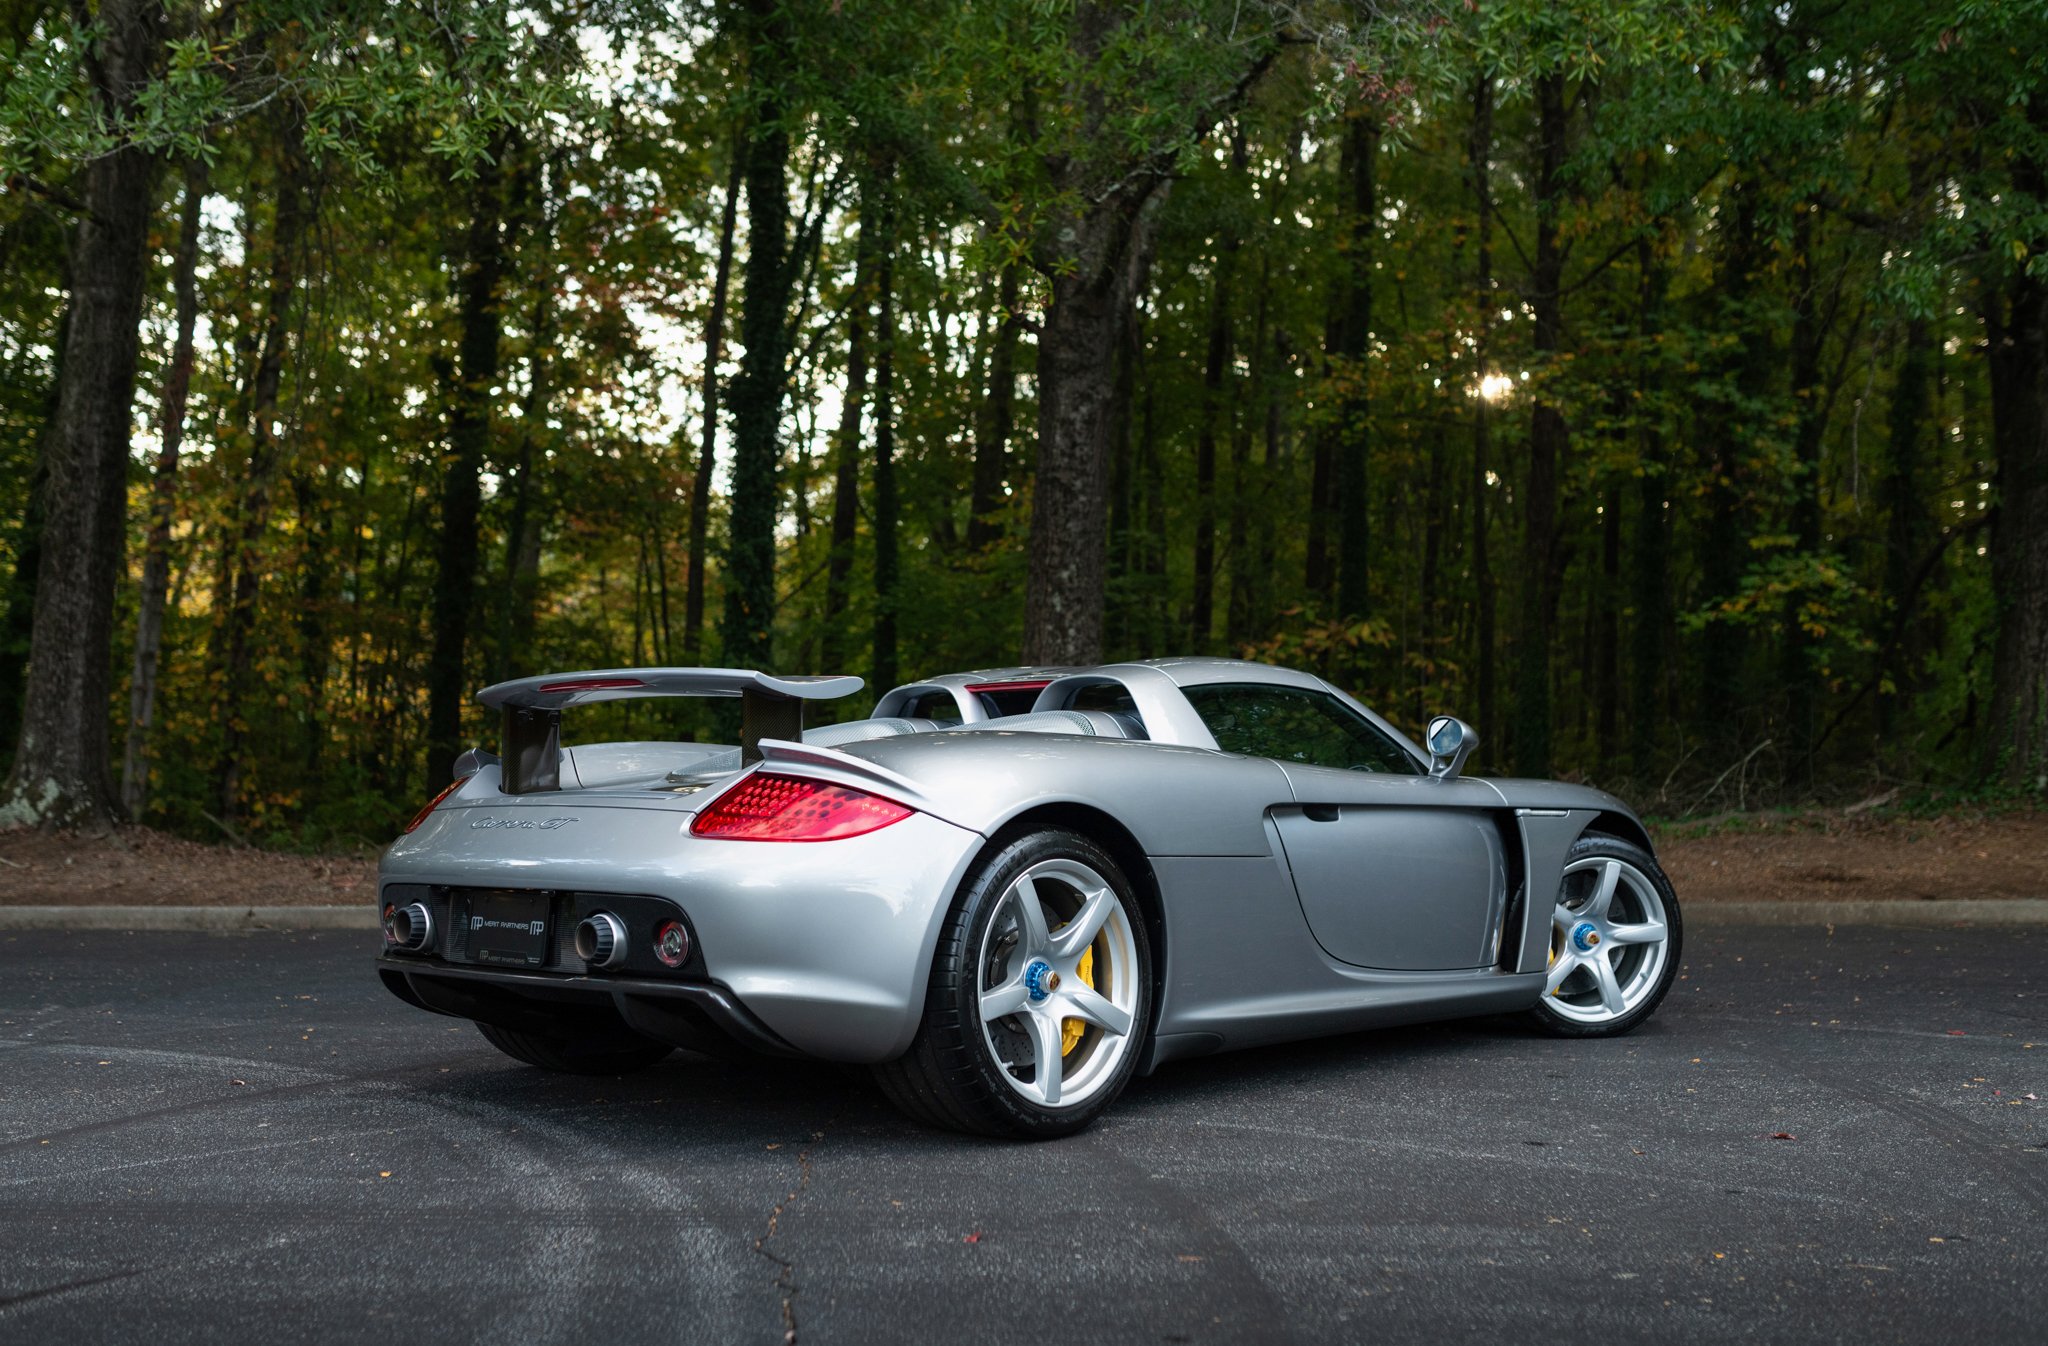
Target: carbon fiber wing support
<point x="770" y="707"/>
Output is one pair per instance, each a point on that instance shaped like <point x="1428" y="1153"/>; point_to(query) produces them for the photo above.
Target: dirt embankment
<point x="1832" y="858"/>
<point x="1817" y="858"/>
<point x="139" y="867"/>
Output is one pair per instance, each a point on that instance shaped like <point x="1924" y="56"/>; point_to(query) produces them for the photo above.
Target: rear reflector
<point x="433" y="804"/>
<point x="767" y="807"/>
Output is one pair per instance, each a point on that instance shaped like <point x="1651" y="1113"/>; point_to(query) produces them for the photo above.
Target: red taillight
<point x="433" y="804"/>
<point x="1020" y="685"/>
<point x="789" y="808"/>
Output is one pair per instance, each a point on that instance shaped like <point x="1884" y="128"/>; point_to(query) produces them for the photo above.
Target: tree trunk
<point x="19" y="622"/>
<point x="18" y="627"/>
<point x="1909" y="524"/>
<point x="997" y="420"/>
<point x="1650" y="557"/>
<point x="163" y="507"/>
<point x="524" y="523"/>
<point x="61" y="775"/>
<point x="1435" y="508"/>
<point x="887" y="509"/>
<point x="1239" y="621"/>
<point x="244" y="560"/>
<point x="2016" y="751"/>
<point x="1607" y="645"/>
<point x="469" y="442"/>
<point x="313" y="535"/>
<point x="1150" y="629"/>
<point x="707" y="456"/>
<point x="1727" y="431"/>
<point x="1125" y="540"/>
<point x="1267" y="543"/>
<point x="749" y="625"/>
<point x="847" y="443"/>
<point x="1097" y="252"/>
<point x="1357" y="162"/>
<point x="1548" y="439"/>
<point x="1479" y="153"/>
<point x="1215" y="408"/>
<point x="1088" y="317"/>
<point x="1807" y="399"/>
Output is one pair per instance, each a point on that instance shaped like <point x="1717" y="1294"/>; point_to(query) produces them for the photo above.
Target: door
<point x="1393" y="869"/>
<point x="1397" y="872"/>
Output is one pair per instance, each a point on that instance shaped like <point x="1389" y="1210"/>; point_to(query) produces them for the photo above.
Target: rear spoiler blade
<point x="770" y="707"/>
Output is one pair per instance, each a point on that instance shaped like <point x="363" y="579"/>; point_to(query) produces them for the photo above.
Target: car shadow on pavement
<point x="694" y="1099"/>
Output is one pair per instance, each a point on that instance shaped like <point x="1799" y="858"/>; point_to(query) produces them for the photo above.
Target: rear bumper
<point x="826" y="946"/>
<point x="702" y="1016"/>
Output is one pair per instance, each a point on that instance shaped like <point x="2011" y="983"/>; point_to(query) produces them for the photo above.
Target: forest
<point x="1659" y="385"/>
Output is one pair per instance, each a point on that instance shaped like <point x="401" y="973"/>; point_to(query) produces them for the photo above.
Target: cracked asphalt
<point x="243" y="1137"/>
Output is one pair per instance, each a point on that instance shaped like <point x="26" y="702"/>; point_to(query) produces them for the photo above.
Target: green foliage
<point x="1740" y="179"/>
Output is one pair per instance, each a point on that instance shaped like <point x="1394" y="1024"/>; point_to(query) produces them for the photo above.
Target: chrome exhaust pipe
<point x="601" y="940"/>
<point x="412" y="928"/>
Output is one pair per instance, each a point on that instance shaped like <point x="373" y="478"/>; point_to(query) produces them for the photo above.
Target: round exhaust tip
<point x="412" y="928"/>
<point x="601" y="940"/>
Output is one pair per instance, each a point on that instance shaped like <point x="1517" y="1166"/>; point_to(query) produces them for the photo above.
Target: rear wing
<point x="531" y="746"/>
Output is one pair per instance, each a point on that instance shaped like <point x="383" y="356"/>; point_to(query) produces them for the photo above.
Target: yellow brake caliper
<point x="1072" y="1029"/>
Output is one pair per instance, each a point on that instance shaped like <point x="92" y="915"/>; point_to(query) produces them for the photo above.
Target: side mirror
<point x="1451" y="741"/>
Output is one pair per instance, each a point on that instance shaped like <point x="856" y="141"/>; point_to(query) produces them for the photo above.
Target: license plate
<point x="508" y="928"/>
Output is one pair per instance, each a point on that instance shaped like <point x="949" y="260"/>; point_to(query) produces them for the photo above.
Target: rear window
<point x="939" y="706"/>
<point x="1112" y="696"/>
<point x="1012" y="701"/>
<point x="1296" y="724"/>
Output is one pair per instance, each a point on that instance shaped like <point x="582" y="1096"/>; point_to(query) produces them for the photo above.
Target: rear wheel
<point x="1614" y="941"/>
<point x="1040" y="995"/>
<point x="596" y="1052"/>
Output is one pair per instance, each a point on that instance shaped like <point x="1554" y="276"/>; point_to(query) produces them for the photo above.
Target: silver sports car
<point x="1010" y="890"/>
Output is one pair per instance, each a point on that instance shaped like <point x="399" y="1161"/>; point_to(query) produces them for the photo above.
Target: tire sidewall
<point x="957" y="991"/>
<point x="1599" y="844"/>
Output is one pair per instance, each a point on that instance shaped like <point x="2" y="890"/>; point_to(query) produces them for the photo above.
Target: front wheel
<point x="1040" y="995"/>
<point x="1614" y="941"/>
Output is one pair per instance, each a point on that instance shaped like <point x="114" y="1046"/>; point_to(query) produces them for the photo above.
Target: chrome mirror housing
<point x="1451" y="741"/>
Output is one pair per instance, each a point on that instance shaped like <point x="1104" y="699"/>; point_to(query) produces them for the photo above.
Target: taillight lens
<point x="767" y="807"/>
<point x="432" y="804"/>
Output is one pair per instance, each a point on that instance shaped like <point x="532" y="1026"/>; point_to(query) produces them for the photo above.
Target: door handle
<point x="1320" y="813"/>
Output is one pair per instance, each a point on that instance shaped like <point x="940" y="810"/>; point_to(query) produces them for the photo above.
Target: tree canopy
<point x="1661" y="385"/>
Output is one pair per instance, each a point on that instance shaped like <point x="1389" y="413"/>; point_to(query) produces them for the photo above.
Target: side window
<point x="1296" y="724"/>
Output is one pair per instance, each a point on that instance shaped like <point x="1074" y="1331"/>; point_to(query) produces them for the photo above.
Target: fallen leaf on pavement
<point x="975" y="1237"/>
<point x="1783" y="1135"/>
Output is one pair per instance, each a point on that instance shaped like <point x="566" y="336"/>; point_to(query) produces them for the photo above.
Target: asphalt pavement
<point x="1821" y="1137"/>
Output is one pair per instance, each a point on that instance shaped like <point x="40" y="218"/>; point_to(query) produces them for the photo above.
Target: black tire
<point x="949" y="1078"/>
<point x="590" y="1053"/>
<point x="1601" y="845"/>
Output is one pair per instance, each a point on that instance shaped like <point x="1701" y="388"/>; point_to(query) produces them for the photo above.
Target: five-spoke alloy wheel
<point x="1614" y="941"/>
<point x="1039" y="998"/>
